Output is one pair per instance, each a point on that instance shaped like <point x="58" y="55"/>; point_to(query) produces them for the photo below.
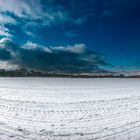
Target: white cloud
<point x="5" y="32"/>
<point x="29" y="33"/>
<point x="32" y="10"/>
<point x="77" y="48"/>
<point x="8" y="66"/>
<point x="32" y="13"/>
<point x="30" y="46"/>
<point x="4" y="40"/>
<point x="21" y="8"/>
<point x="7" y="19"/>
<point x="33" y="46"/>
<point x="55" y="17"/>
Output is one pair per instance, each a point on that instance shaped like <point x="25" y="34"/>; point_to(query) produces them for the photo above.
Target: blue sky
<point x="74" y="35"/>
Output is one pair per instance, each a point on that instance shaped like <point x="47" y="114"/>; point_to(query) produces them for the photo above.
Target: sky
<point x="73" y="35"/>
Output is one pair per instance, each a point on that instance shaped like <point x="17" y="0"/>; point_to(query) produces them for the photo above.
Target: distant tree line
<point x="33" y="73"/>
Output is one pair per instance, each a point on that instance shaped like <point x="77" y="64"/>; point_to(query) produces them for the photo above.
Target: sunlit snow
<point x="69" y="109"/>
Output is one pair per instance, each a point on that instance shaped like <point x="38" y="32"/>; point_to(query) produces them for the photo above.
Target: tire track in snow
<point x="80" y="119"/>
<point x="85" y="114"/>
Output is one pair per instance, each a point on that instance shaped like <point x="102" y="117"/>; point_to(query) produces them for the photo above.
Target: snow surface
<point x="69" y="109"/>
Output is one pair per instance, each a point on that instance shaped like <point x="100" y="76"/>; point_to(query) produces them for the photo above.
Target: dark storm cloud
<point x="63" y="58"/>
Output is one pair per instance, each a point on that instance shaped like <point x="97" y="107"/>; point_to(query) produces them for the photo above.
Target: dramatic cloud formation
<point x="103" y="25"/>
<point x="35" y="13"/>
<point x="63" y="58"/>
<point x="50" y="13"/>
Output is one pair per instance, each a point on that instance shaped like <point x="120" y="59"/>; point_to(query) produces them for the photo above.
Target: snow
<point x="69" y="109"/>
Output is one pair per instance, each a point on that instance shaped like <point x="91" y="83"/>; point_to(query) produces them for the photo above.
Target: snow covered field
<point x="69" y="109"/>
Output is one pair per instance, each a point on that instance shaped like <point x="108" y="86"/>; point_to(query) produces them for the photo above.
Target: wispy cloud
<point x="4" y="19"/>
<point x="22" y="8"/>
<point x="38" y="13"/>
<point x="5" y="32"/>
<point x="70" y="34"/>
<point x="54" y="13"/>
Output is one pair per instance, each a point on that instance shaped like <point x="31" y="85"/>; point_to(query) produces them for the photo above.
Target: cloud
<point x="70" y="34"/>
<point x="4" y="32"/>
<point x="39" y="13"/>
<point x="51" y="13"/>
<point x="71" y="58"/>
<point x="32" y="13"/>
<point x="4" y="19"/>
<point x="12" y="12"/>
<point x="77" y="48"/>
<point x="8" y="66"/>
<point x="22" y="8"/>
<point x="33" y="46"/>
